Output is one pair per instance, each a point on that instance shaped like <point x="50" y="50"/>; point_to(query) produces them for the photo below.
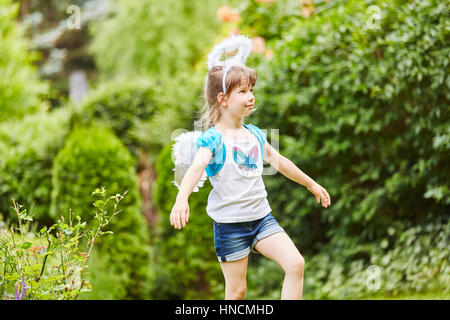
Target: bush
<point x="28" y="149"/>
<point x="121" y="105"/>
<point x="54" y="267"/>
<point x="363" y="112"/>
<point x="151" y="38"/>
<point x="186" y="259"/>
<point x="92" y="157"/>
<point x="21" y="89"/>
<point x="407" y="262"/>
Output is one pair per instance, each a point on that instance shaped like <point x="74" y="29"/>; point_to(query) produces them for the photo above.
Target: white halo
<point x="241" y="42"/>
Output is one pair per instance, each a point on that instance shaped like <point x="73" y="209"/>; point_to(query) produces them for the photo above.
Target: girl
<point x="232" y="154"/>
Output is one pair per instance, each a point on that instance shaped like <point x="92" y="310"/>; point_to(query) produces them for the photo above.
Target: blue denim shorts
<point x="234" y="241"/>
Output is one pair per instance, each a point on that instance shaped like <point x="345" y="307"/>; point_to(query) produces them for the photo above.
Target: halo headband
<point x="244" y="46"/>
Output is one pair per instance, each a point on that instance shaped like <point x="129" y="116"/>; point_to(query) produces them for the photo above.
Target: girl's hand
<point x="320" y="193"/>
<point x="180" y="214"/>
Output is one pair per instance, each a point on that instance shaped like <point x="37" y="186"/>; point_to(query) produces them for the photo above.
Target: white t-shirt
<point x="235" y="172"/>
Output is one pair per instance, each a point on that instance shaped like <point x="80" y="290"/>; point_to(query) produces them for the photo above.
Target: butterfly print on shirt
<point x="246" y="162"/>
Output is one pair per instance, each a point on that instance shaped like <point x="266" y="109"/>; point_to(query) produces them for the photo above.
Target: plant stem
<point x="62" y="257"/>
<point x="45" y="260"/>
<point x="17" y="210"/>
<point x="92" y="241"/>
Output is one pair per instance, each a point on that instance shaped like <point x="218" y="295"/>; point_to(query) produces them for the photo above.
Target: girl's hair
<point x="236" y="76"/>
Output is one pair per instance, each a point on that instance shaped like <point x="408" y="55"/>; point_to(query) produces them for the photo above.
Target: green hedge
<point x="187" y="267"/>
<point x="21" y="90"/>
<point x="364" y="112"/>
<point x="149" y="39"/>
<point x="28" y="149"/>
<point x="406" y="263"/>
<point x="94" y="157"/>
<point x="121" y="104"/>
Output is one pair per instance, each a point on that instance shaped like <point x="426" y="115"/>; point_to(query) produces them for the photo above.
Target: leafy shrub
<point x="363" y="112"/>
<point x="54" y="267"/>
<point x="186" y="259"/>
<point x="92" y="157"/>
<point x="409" y="261"/>
<point x="107" y="285"/>
<point x="121" y="105"/>
<point x="28" y="149"/>
<point x="269" y="19"/>
<point x="151" y="38"/>
<point x="178" y="100"/>
<point x="21" y="89"/>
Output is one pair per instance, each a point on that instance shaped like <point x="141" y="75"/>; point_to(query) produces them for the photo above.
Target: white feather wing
<point x="184" y="151"/>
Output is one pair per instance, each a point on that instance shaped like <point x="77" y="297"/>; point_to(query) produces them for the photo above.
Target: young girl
<point x="232" y="154"/>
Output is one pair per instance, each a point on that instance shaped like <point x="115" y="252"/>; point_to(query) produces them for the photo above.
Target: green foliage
<point x="54" y="267"/>
<point x="106" y="285"/>
<point x="409" y="261"/>
<point x="406" y="264"/>
<point x="92" y="157"/>
<point x="20" y="87"/>
<point x="187" y="266"/>
<point x="122" y="105"/>
<point x="28" y="149"/>
<point x="178" y="100"/>
<point x="362" y="110"/>
<point x="151" y="39"/>
<point x="269" y="19"/>
<point x="157" y="38"/>
<point x="365" y="113"/>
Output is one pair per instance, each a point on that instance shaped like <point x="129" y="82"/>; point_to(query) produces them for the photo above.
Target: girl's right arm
<point x="180" y="211"/>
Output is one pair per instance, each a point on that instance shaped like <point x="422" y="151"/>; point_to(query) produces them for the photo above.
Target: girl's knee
<point x="235" y="292"/>
<point x="296" y="266"/>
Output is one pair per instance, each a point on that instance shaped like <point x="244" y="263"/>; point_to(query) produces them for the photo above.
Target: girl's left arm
<point x="291" y="171"/>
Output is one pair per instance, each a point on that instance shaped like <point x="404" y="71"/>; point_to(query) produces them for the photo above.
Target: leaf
<point x="59" y="287"/>
<point x="98" y="203"/>
<point x="26" y="245"/>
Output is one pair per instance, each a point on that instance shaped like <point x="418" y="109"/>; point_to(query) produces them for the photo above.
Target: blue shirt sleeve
<point x="259" y="132"/>
<point x="209" y="139"/>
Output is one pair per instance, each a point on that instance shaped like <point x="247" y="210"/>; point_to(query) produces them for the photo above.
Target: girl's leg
<point x="235" y="274"/>
<point x="280" y="248"/>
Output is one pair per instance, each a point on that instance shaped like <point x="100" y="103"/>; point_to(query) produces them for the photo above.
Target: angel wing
<point x="184" y="151"/>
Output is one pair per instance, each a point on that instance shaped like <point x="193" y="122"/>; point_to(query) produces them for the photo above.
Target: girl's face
<point x="241" y="101"/>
